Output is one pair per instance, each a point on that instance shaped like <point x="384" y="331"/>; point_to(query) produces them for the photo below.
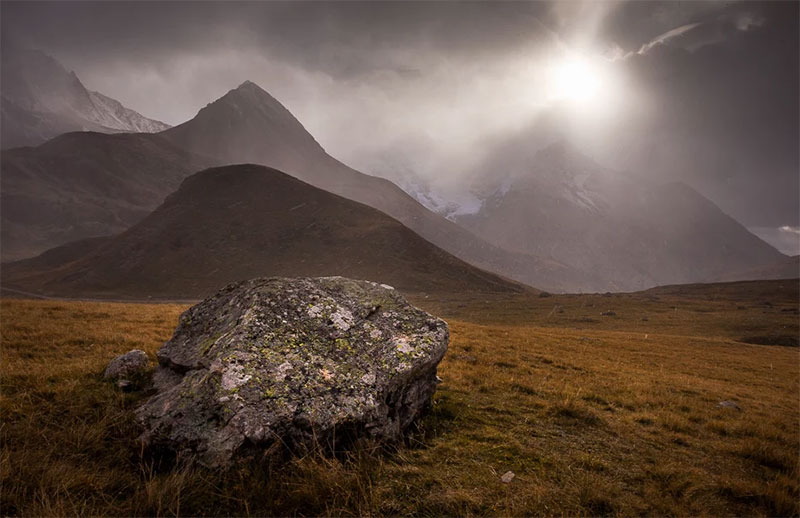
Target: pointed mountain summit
<point x="246" y="125"/>
<point x="238" y="222"/>
<point x="41" y="99"/>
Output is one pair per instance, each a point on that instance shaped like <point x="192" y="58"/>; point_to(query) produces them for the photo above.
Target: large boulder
<point x="294" y="362"/>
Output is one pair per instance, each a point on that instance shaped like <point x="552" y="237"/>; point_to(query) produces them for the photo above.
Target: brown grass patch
<point x="619" y="419"/>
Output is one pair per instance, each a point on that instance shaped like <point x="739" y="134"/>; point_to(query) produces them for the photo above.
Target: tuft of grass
<point x="575" y="413"/>
<point x="769" y="455"/>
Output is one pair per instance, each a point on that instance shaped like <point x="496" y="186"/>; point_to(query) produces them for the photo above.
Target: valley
<point x="593" y="414"/>
<point x="392" y="258"/>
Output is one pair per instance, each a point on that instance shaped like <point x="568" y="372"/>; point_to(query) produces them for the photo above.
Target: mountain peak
<point x="561" y="148"/>
<point x="252" y="90"/>
<point x="248" y="96"/>
<point x="258" y="129"/>
<point x="249" y="84"/>
<point x="47" y="100"/>
<point x="563" y="156"/>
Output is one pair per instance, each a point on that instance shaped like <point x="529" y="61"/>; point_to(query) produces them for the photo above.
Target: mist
<point x="703" y="93"/>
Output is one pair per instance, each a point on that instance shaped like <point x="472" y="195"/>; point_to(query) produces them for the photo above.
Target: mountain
<point x="40" y="99"/>
<point x="242" y="221"/>
<point x="80" y="185"/>
<point x="245" y="125"/>
<point x="249" y="125"/>
<point x="630" y="231"/>
<point x="787" y="268"/>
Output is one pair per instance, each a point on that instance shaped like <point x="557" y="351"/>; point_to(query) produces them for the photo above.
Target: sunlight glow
<point x="575" y="79"/>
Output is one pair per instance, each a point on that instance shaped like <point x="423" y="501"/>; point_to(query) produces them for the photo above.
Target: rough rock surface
<point x="295" y="361"/>
<point x="127" y="369"/>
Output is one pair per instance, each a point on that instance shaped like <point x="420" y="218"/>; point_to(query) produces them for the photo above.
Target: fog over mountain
<point x="41" y="100"/>
<point x="84" y="185"/>
<point x="700" y="92"/>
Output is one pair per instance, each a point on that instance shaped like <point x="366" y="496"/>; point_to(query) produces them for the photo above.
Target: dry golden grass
<point x="613" y="417"/>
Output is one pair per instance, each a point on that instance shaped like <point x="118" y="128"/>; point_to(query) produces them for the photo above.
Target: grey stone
<point x="294" y="362"/>
<point x="507" y="477"/>
<point x="729" y="404"/>
<point x="127" y="370"/>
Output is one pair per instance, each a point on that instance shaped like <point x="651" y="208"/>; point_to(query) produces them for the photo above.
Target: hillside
<point x="245" y="125"/>
<point x="631" y="231"/>
<point x="41" y="99"/>
<point x="249" y="125"/>
<point x="786" y="268"/>
<point x="238" y="222"/>
<point x="81" y="185"/>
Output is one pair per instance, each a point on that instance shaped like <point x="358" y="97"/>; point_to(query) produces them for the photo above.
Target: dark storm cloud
<point x="340" y="39"/>
<point x="730" y="107"/>
<point x="708" y="89"/>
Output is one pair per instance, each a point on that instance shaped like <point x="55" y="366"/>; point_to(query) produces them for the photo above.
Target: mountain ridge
<point x="84" y="184"/>
<point x="297" y="153"/>
<point x="41" y="100"/>
<point x="236" y="222"/>
<point x="567" y="205"/>
<point x="635" y="232"/>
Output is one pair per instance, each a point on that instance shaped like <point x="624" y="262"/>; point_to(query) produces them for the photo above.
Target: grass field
<point x="613" y="414"/>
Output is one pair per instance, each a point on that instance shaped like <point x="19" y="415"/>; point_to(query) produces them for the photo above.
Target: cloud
<point x="432" y="85"/>
<point x="790" y="229"/>
<point x="785" y="238"/>
<point x="671" y="34"/>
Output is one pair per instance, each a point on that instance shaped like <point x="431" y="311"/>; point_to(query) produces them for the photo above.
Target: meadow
<point x="599" y="405"/>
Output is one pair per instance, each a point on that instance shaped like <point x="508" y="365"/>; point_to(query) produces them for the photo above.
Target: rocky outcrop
<point x="128" y="370"/>
<point x="292" y="361"/>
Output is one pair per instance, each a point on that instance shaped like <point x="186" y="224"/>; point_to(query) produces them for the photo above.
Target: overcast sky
<point x="704" y="92"/>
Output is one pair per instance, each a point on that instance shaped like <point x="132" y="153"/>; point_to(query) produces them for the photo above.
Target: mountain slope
<point x="245" y="125"/>
<point x="242" y="221"/>
<point x="41" y="99"/>
<point x="80" y="185"/>
<point x="635" y="233"/>
<point x="787" y="268"/>
<point x="249" y="125"/>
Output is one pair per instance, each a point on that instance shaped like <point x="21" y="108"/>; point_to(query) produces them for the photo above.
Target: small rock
<point x="127" y="370"/>
<point x="729" y="404"/>
<point x="507" y="477"/>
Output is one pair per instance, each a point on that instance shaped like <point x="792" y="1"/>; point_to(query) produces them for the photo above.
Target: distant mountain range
<point x="243" y="221"/>
<point x="786" y="268"/>
<point x="551" y="219"/>
<point x="632" y="232"/>
<point x="245" y="125"/>
<point x="81" y="185"/>
<point x="40" y="99"/>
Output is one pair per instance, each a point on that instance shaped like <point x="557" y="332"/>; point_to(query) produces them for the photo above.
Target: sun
<point x="575" y="79"/>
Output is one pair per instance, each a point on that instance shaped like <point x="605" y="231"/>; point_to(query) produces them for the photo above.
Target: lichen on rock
<point x="292" y="360"/>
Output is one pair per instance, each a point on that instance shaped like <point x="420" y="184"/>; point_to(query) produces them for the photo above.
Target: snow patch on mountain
<point x="41" y="99"/>
<point x="449" y="205"/>
<point x="575" y="192"/>
<point x="111" y="114"/>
